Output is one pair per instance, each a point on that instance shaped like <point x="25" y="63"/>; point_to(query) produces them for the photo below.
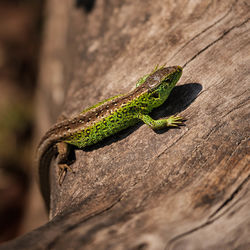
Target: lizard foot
<point x="63" y="169"/>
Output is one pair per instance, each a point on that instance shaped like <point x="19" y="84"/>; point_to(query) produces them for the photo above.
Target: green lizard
<point x="107" y="118"/>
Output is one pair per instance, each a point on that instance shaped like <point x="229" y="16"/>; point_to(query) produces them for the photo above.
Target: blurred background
<point x="21" y="27"/>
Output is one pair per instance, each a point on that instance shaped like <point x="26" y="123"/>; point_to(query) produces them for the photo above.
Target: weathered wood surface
<point x="186" y="188"/>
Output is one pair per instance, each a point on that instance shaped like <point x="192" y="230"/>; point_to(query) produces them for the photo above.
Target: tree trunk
<point x="186" y="188"/>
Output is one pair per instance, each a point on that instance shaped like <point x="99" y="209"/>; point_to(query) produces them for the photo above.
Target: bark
<point x="186" y="188"/>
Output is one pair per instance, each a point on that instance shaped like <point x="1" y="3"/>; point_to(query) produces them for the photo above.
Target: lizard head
<point x="163" y="77"/>
<point x="160" y="82"/>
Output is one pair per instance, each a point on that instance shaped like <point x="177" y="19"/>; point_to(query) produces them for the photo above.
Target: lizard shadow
<point x="179" y="99"/>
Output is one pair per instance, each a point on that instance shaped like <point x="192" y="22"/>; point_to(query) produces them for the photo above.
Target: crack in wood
<point x="239" y="105"/>
<point x="212" y="217"/>
<point x="203" y="31"/>
<point x="69" y="228"/>
<point x="215" y="41"/>
<point x="228" y="200"/>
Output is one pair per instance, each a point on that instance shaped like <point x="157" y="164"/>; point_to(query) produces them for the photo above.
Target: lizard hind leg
<point x="62" y="158"/>
<point x="63" y="169"/>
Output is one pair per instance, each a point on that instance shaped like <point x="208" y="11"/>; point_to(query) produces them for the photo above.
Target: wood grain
<point x="186" y="188"/>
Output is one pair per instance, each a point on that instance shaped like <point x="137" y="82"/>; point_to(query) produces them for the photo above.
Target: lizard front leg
<point x="172" y="121"/>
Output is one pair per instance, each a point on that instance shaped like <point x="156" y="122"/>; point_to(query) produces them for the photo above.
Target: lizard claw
<point x="175" y="121"/>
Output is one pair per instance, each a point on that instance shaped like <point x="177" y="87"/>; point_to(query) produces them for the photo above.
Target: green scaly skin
<point x="107" y="118"/>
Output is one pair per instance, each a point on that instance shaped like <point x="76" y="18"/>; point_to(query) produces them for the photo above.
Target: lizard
<point x="105" y="119"/>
